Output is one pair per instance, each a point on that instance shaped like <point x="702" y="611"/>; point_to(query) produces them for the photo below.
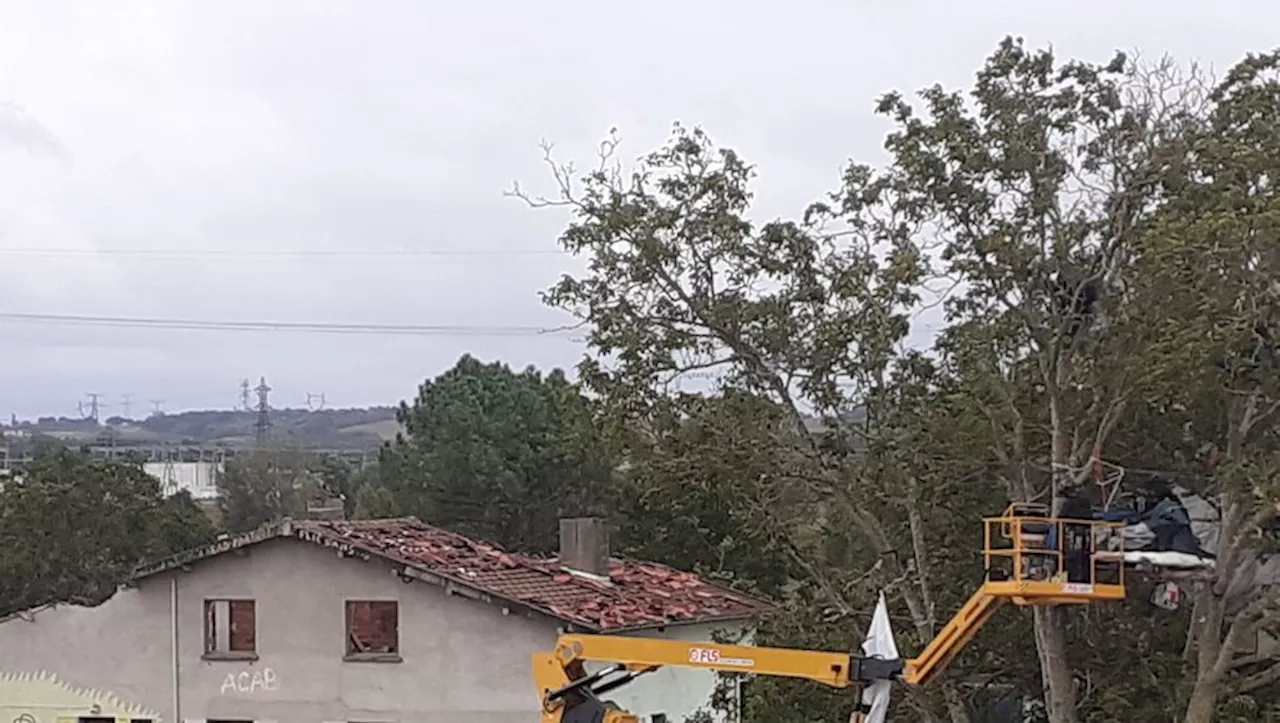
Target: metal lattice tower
<point x="262" y="428"/>
<point x="94" y="406"/>
<point x="169" y="473"/>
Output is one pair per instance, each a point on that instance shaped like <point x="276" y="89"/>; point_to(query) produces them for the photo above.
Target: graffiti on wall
<point x="44" y="698"/>
<point x="250" y="681"/>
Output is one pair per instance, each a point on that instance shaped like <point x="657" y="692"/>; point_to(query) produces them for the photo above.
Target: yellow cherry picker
<point x="1030" y="559"/>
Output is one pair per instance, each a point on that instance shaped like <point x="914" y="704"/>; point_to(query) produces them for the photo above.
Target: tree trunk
<point x="1051" y="634"/>
<point x="1204" y="700"/>
<point x="927" y="627"/>
<point x="1214" y="645"/>
<point x="1055" y="670"/>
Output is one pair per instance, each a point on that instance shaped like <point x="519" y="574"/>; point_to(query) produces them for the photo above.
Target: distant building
<point x="379" y="620"/>
<point x="199" y="479"/>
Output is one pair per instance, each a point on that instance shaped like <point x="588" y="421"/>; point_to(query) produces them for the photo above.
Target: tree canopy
<point x="266" y="485"/>
<point x="1104" y="232"/>
<point x="493" y="453"/>
<point x="72" y="529"/>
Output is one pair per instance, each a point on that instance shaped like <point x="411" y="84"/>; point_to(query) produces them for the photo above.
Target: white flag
<point x="879" y="644"/>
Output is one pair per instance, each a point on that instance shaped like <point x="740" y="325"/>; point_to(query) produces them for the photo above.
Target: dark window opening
<point x="373" y="629"/>
<point x="230" y="628"/>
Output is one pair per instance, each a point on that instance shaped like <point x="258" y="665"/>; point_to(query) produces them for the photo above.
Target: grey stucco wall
<point x="121" y="647"/>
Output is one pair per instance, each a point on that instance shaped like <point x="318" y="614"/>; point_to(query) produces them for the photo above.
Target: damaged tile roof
<point x="636" y="595"/>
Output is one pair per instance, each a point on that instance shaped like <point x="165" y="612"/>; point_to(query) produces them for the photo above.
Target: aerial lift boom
<point x="571" y="695"/>
<point x="1031" y="559"/>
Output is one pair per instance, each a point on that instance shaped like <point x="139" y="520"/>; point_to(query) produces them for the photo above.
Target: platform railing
<point x="1025" y="546"/>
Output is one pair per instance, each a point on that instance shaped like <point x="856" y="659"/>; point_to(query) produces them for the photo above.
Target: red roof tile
<point x="638" y="594"/>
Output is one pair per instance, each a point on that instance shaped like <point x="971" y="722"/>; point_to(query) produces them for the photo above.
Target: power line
<point x="293" y="326"/>
<point x="269" y="253"/>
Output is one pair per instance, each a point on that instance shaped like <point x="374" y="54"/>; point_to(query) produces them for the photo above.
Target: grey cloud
<point x="19" y="128"/>
<point x="328" y="124"/>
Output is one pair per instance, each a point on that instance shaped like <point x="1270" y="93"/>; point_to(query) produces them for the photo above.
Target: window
<point x="230" y="630"/>
<point x="373" y="630"/>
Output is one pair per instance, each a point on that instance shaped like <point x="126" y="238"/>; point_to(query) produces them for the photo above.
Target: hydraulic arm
<point x="571" y="695"/>
<point x="1030" y="559"/>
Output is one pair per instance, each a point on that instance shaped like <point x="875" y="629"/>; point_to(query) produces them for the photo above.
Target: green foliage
<point x="1206" y="285"/>
<point x="496" y="454"/>
<point x="341" y="481"/>
<point x="693" y="490"/>
<point x="72" y="529"/>
<point x="679" y="280"/>
<point x="264" y="486"/>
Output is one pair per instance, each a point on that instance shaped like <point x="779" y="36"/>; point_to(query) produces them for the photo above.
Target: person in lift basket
<point x="1077" y="548"/>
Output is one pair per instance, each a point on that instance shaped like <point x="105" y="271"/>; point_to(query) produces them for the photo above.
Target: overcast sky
<point x="231" y="135"/>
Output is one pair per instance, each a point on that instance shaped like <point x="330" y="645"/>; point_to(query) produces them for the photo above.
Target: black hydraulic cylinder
<point x="869" y="670"/>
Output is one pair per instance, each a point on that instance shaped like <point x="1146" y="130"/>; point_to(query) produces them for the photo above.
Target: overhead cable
<point x="161" y="253"/>
<point x="283" y="326"/>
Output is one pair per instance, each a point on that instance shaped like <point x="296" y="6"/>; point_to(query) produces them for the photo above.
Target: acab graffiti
<point x="250" y="681"/>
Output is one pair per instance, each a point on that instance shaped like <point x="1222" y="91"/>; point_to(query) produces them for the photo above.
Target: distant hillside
<point x="344" y="428"/>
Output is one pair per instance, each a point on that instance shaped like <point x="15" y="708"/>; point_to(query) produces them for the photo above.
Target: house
<point x="335" y="621"/>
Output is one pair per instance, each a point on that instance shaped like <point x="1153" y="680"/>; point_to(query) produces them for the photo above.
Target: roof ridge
<point x="633" y="593"/>
<point x="369" y="521"/>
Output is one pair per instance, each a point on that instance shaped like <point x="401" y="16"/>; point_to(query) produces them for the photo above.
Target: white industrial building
<point x="199" y="479"/>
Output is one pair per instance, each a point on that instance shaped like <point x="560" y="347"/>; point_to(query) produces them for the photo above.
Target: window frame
<point x="210" y="631"/>
<point x="349" y="653"/>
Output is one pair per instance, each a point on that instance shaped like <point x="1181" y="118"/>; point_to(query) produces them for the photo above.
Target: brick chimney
<point x="584" y="546"/>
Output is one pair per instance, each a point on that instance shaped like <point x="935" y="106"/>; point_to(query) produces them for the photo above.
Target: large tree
<point x="1207" y="284"/>
<point x="72" y="529"/>
<point x="1034" y="186"/>
<point x="494" y="453"/>
<point x="803" y="315"/>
